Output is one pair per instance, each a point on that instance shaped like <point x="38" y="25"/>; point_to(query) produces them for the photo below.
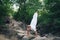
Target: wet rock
<point x="40" y="38"/>
<point x="56" y="38"/>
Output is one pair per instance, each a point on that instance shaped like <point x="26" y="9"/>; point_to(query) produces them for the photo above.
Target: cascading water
<point x="34" y="21"/>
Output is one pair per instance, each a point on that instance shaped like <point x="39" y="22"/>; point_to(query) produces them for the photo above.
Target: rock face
<point x="21" y="33"/>
<point x="18" y="32"/>
<point x="23" y="36"/>
<point x="40" y="38"/>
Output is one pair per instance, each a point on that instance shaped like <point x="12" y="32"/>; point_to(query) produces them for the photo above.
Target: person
<point x="32" y="25"/>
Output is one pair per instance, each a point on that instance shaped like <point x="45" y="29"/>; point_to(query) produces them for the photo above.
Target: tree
<point x="49" y="21"/>
<point x="4" y="14"/>
<point x="26" y="10"/>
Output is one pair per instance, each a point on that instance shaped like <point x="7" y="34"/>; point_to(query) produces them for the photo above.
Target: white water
<point x="34" y="21"/>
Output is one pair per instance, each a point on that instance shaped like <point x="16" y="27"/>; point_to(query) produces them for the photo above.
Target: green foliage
<point x="27" y="10"/>
<point x="4" y="10"/>
<point x="49" y="22"/>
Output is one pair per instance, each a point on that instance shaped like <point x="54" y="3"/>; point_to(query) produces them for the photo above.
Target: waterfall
<point x="34" y="21"/>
